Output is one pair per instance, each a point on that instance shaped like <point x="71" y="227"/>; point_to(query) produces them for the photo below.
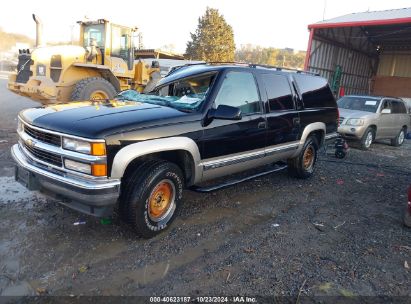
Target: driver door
<point x="229" y="146"/>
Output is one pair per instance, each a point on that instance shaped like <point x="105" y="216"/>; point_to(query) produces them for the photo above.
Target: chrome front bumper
<point x="94" y="197"/>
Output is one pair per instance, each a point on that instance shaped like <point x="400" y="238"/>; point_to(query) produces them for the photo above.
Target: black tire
<point x="85" y="88"/>
<point x="368" y="135"/>
<point x="297" y="166"/>
<point x="135" y="203"/>
<point x="399" y="139"/>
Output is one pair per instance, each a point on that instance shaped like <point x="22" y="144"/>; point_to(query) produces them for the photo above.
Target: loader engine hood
<point x="49" y="61"/>
<point x="43" y="55"/>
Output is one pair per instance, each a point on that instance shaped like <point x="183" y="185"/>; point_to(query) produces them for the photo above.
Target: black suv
<point x="200" y="122"/>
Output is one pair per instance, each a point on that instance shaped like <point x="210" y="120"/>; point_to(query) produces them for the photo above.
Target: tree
<point x="213" y="39"/>
<point x="271" y="56"/>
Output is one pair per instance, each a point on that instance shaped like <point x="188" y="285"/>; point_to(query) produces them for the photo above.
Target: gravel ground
<point x="338" y="233"/>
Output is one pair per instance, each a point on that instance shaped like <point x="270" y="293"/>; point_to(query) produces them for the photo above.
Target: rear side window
<point x="315" y="91"/>
<point x="398" y="107"/>
<point x="278" y="92"/>
<point x="239" y="90"/>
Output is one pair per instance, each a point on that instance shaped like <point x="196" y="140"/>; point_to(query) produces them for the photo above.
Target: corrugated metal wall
<point x="356" y="67"/>
<point x="395" y="64"/>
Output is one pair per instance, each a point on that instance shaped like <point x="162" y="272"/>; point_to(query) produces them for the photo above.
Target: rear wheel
<point x="399" y="139"/>
<point x="93" y="88"/>
<point x="303" y="165"/>
<point x="152" y="197"/>
<point x="367" y="138"/>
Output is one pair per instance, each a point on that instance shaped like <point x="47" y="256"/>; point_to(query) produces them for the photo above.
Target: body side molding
<point x="129" y="153"/>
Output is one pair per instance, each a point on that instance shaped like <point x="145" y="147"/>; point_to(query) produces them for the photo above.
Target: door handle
<point x="296" y="121"/>
<point x="262" y="125"/>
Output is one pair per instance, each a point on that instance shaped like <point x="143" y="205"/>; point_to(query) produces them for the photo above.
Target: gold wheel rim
<point x="308" y="158"/>
<point x="160" y="200"/>
<point x="96" y="95"/>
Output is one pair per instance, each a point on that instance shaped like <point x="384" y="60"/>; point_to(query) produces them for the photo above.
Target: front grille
<point x="55" y="67"/>
<point x="45" y="156"/>
<point x="340" y="121"/>
<point x="49" y="138"/>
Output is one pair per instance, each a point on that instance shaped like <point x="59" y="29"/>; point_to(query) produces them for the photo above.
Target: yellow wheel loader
<point x="102" y="65"/>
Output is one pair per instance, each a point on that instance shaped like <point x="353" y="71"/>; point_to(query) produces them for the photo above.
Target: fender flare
<point x="133" y="151"/>
<point x="315" y="126"/>
<point x="105" y="72"/>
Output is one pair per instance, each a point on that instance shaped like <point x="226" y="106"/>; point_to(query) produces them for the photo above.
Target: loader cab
<point x="109" y="44"/>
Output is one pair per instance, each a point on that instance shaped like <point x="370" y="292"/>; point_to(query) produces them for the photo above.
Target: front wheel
<point x="367" y="139"/>
<point x="303" y="165"/>
<point x="93" y="88"/>
<point x="399" y="139"/>
<point x="152" y="197"/>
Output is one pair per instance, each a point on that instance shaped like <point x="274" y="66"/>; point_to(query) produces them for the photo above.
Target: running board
<point x="277" y="167"/>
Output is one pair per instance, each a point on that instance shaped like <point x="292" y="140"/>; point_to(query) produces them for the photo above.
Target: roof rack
<point x="277" y="68"/>
<point x="251" y="65"/>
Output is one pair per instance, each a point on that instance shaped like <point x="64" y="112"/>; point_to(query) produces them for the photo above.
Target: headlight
<point x="77" y="166"/>
<point x="76" y="145"/>
<point x="355" y="122"/>
<point x="93" y="169"/>
<point x="81" y="146"/>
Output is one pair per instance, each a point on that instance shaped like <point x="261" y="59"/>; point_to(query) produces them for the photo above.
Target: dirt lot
<point x="339" y="233"/>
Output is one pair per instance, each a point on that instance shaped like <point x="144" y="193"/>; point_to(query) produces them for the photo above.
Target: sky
<point x="163" y="22"/>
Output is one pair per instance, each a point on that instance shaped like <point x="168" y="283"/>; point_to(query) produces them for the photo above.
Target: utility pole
<point x="325" y="6"/>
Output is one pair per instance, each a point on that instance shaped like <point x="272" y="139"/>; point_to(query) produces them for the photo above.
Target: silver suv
<point x="367" y="118"/>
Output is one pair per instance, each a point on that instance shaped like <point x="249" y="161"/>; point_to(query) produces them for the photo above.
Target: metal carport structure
<point x="363" y="53"/>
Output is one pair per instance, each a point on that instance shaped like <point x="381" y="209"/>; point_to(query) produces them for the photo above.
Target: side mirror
<point x="225" y="112"/>
<point x="386" y="111"/>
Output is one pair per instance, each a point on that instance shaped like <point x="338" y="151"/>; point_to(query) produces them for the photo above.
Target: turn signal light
<point x="98" y="149"/>
<point x="99" y="169"/>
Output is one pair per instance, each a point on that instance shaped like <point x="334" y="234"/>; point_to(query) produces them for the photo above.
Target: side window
<point x="278" y="91"/>
<point x="398" y="107"/>
<point x="239" y="90"/>
<point x="119" y="42"/>
<point x="386" y="105"/>
<point x="315" y="91"/>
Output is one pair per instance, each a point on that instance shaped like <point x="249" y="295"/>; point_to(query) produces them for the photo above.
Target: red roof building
<point x="364" y="53"/>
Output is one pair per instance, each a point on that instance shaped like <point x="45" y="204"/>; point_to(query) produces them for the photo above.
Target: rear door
<point x="385" y="122"/>
<point x="283" y="123"/>
<point x="399" y="113"/>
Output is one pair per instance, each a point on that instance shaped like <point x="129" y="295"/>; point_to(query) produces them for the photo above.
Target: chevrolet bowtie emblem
<point x="30" y="142"/>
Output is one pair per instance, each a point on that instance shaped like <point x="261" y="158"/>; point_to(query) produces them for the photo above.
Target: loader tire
<point x="93" y="88"/>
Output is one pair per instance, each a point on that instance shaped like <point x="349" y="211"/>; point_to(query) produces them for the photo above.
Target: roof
<point x="395" y="16"/>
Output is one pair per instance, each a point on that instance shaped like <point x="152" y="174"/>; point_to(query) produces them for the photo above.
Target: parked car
<point x="199" y="123"/>
<point x="407" y="216"/>
<point x="368" y="118"/>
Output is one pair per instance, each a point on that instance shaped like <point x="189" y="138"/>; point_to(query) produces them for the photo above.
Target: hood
<point x="95" y="119"/>
<point x="346" y="113"/>
<point x="72" y="52"/>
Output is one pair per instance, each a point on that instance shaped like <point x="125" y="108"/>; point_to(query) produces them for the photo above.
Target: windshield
<point x="185" y="94"/>
<point x="367" y="104"/>
<point x="94" y="32"/>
